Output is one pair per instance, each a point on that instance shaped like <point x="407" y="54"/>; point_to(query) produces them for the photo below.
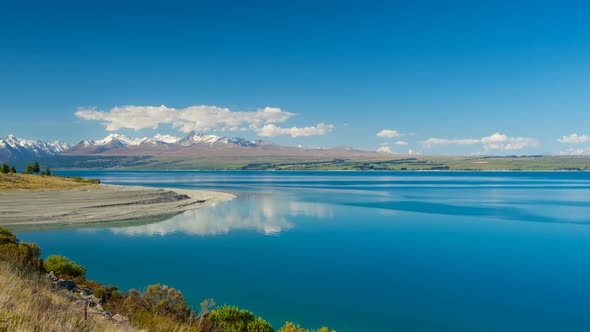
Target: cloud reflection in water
<point x="259" y="212"/>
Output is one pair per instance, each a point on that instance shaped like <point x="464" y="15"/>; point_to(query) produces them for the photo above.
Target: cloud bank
<point x="201" y="118"/>
<point x="271" y="130"/>
<point x="574" y="138"/>
<point x="495" y="141"/>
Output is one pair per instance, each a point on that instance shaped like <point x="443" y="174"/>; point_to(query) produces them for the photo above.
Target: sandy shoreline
<point x="99" y="204"/>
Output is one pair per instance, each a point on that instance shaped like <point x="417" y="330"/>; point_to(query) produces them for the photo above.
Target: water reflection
<point x="259" y="212"/>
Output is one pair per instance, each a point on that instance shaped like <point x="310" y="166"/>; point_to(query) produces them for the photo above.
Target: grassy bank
<point x="38" y="182"/>
<point x="31" y="299"/>
<point x="28" y="303"/>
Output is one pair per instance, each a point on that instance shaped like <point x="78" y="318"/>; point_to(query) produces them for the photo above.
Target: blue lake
<point x="362" y="251"/>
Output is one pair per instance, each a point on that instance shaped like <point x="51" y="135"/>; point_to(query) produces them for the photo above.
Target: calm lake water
<point x="362" y="251"/>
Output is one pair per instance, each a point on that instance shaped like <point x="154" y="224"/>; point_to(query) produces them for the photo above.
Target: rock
<point x="52" y="276"/>
<point x="67" y="284"/>
<point x="85" y="291"/>
<point x="120" y="319"/>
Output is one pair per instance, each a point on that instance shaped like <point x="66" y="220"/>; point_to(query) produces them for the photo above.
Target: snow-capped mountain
<point x="115" y="140"/>
<point x="13" y="148"/>
<point x="121" y="140"/>
<point x="161" y="139"/>
<point x="199" y="138"/>
<point x="158" y="144"/>
<point x="112" y="141"/>
<point x="190" y="146"/>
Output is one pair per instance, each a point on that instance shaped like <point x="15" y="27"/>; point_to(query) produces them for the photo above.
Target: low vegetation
<point x="17" y="181"/>
<point x="35" y="178"/>
<point x="29" y="300"/>
<point x="28" y="303"/>
<point x="380" y="162"/>
<point x="63" y="267"/>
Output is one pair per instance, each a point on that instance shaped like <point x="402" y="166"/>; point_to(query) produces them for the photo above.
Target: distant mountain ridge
<point x="193" y="144"/>
<point x="13" y="148"/>
<point x="117" y="144"/>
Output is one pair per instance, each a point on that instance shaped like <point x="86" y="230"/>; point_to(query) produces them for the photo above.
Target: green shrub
<point x="106" y="293"/>
<point x="23" y="254"/>
<point x="229" y="318"/>
<point x="6" y="237"/>
<point x="290" y="327"/>
<point x="63" y="267"/>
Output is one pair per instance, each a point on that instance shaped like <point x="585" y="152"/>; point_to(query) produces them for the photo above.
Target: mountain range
<point x="13" y="149"/>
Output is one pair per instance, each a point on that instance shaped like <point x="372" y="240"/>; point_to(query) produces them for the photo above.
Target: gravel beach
<point x="98" y="204"/>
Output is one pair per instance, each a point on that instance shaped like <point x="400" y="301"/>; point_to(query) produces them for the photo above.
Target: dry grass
<point x="38" y="182"/>
<point x="29" y="304"/>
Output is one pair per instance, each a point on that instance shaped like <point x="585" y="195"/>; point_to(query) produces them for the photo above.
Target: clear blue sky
<point x="453" y="72"/>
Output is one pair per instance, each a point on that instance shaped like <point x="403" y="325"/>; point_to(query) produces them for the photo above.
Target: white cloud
<point x="494" y="138"/>
<point x="575" y="152"/>
<point x="133" y="117"/>
<point x="499" y="141"/>
<point x="271" y="130"/>
<point x="388" y="133"/>
<point x="574" y="138"/>
<point x="496" y="141"/>
<point x="443" y="141"/>
<point x="199" y="118"/>
<point x="401" y="143"/>
<point x="385" y="149"/>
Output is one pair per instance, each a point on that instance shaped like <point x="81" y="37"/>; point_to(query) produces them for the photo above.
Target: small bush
<point x="159" y="308"/>
<point x="63" y="267"/>
<point x="228" y="318"/>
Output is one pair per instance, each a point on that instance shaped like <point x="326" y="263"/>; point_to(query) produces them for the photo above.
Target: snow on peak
<point x="37" y="147"/>
<point x="119" y="139"/>
<point x="158" y="138"/>
<point x="196" y="138"/>
<point x="200" y="138"/>
<point x="59" y="146"/>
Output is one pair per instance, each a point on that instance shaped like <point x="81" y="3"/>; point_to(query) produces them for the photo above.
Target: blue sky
<point x="448" y="77"/>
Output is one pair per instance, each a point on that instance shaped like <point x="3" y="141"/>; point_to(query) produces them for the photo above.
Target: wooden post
<point x="85" y="311"/>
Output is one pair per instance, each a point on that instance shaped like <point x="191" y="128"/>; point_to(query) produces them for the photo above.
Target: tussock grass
<point x="27" y="303"/>
<point x="38" y="182"/>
